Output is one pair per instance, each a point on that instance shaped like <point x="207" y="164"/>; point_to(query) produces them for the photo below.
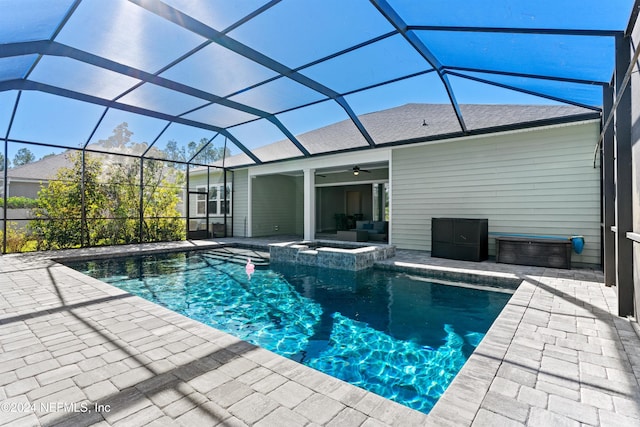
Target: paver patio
<point x="76" y="351"/>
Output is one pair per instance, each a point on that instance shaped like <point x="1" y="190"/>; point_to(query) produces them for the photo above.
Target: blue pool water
<point x="401" y="337"/>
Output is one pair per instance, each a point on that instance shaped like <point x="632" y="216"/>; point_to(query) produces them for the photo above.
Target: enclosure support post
<point x="140" y="206"/>
<point x="187" y="204"/>
<point x="624" y="193"/>
<point x="5" y="187"/>
<point x="608" y="194"/>
<point x="84" y="228"/>
<point x="5" y="171"/>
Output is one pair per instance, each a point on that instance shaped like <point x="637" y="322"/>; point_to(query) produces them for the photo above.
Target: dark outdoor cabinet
<point x="460" y="238"/>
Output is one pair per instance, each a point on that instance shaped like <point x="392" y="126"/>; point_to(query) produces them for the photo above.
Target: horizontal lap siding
<point x="240" y="202"/>
<point x="539" y="182"/>
<point x="274" y="203"/>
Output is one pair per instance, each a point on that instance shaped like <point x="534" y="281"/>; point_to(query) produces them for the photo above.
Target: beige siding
<point x="24" y="189"/>
<point x="276" y="205"/>
<point x="540" y="182"/>
<point x="240" y="202"/>
<point x="299" y="203"/>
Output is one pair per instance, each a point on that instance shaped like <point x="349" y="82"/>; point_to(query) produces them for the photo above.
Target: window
<point x="381" y="202"/>
<point x="213" y="200"/>
<point x="219" y="201"/>
<point x="201" y="199"/>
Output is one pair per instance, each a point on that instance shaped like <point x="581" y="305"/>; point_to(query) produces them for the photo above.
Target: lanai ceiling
<point x="248" y="74"/>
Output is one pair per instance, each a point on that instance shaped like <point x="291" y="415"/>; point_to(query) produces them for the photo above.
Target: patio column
<point x="309" y="195"/>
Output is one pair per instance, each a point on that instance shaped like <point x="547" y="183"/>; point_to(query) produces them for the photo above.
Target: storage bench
<point x="542" y="252"/>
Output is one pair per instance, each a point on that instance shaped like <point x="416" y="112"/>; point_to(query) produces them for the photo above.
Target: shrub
<point x="18" y="202"/>
<point x="112" y="198"/>
<point x="17" y="240"/>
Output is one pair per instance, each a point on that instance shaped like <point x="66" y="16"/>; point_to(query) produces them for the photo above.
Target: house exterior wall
<point x="240" y="203"/>
<point x="24" y="189"/>
<point x="276" y="203"/>
<point x="539" y="182"/>
<point x="16" y="218"/>
<point x="299" y="205"/>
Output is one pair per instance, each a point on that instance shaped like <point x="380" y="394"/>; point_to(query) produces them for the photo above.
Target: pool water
<point x="401" y="337"/>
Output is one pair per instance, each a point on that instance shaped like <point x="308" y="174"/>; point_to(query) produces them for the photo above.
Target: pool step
<point x="236" y="258"/>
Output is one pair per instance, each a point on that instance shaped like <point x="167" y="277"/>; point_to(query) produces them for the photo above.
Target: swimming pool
<point x="401" y="337"/>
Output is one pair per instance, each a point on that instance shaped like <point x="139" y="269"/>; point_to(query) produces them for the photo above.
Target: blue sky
<point x="294" y="33"/>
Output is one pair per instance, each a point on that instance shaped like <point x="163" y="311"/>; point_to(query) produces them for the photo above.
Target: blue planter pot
<point x="577" y="242"/>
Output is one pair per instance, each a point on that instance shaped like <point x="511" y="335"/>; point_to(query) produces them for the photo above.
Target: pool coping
<point x="349" y="256"/>
<point x="554" y="319"/>
<point x="556" y="355"/>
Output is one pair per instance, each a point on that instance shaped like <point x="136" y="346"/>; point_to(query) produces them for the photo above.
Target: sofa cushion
<point x="360" y="224"/>
<point x="379" y="226"/>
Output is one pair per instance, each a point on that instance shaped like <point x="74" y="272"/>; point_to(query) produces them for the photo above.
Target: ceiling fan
<point x="357" y="170"/>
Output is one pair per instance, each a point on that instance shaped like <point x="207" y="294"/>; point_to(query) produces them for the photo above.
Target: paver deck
<point x="76" y="351"/>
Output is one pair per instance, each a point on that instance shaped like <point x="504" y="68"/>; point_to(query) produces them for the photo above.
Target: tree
<point x="2" y="162"/>
<point x="112" y="208"/>
<point x="23" y="156"/>
<point x="208" y="154"/>
<point x="58" y="218"/>
<point x="119" y="139"/>
<point x="172" y="151"/>
<point x="122" y="202"/>
<point x="159" y="197"/>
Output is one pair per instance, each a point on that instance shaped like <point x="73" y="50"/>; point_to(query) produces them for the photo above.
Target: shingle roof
<point x="405" y="123"/>
<point x="43" y="169"/>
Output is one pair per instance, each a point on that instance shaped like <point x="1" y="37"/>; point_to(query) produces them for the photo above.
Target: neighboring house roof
<point x="40" y="170"/>
<point x="405" y="123"/>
